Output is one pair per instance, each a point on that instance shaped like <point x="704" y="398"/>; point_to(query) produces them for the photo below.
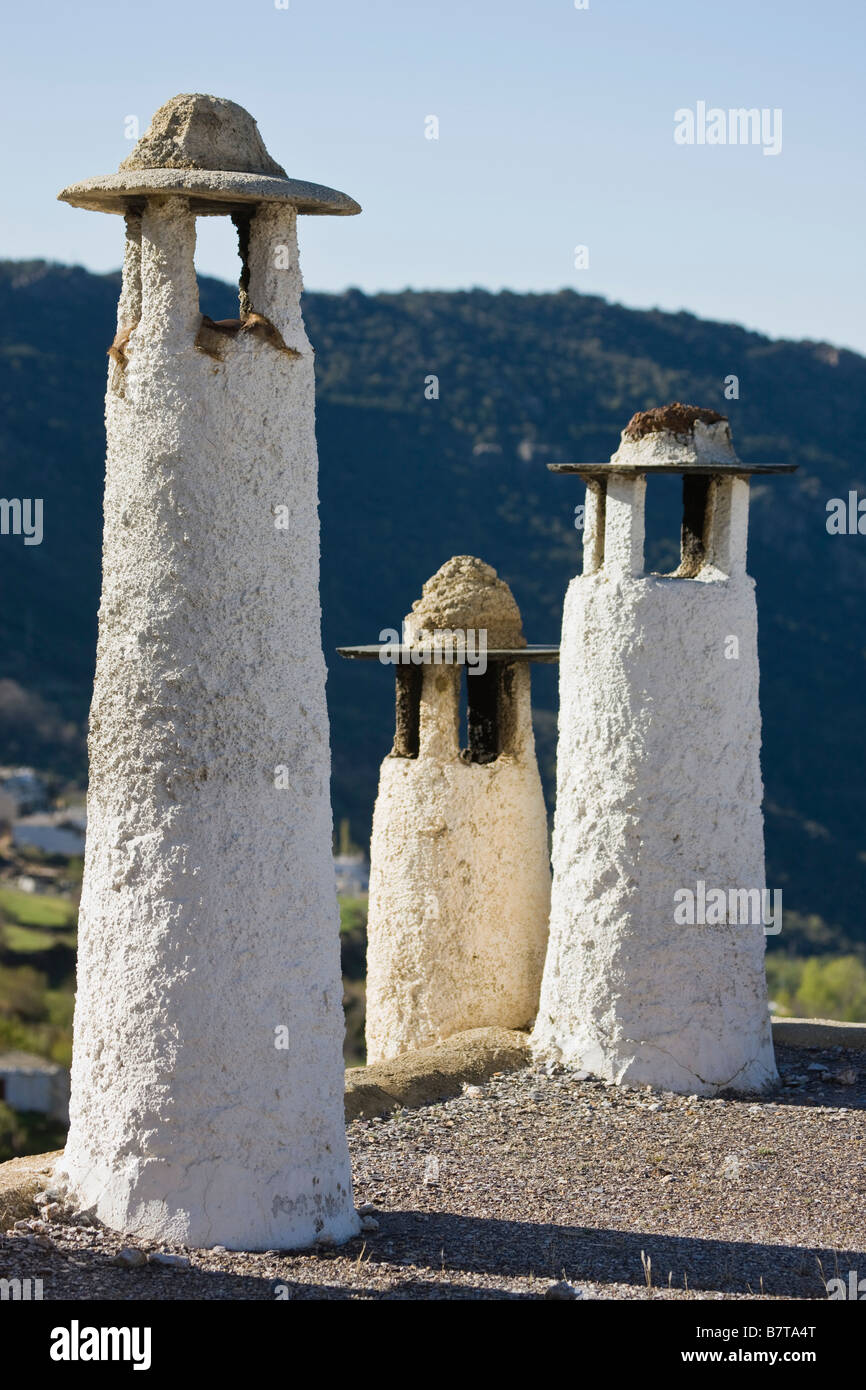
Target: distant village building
<point x="27" y="789"/>
<point x="207" y="1076"/>
<point x="8" y="811"/>
<point x="28" y="1082"/>
<point x="52" y="832"/>
<point x="459" y="862"/>
<point x="659" y="781"/>
<point x="353" y="874"/>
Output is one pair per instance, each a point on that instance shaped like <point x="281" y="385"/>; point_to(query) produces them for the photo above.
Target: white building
<point x="26" y="787"/>
<point x="52" y="832"/>
<point x="28" y="1082"/>
<point x="353" y="874"/>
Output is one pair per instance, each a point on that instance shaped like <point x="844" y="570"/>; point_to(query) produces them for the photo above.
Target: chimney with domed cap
<point x="659" y="780"/>
<point x="207" y="1074"/>
<point x="459" y="864"/>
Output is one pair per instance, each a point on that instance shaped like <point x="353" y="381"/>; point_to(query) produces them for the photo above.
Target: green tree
<point x="834" y="988"/>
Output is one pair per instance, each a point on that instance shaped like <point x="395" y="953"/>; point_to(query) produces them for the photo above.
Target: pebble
<point x="49" y="1194"/>
<point x="168" y="1261"/>
<point x="562" y="1291"/>
<point x="129" y="1258"/>
<point x="369" y="1225"/>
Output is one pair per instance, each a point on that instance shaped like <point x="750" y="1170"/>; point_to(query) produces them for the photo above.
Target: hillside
<point x="406" y="482"/>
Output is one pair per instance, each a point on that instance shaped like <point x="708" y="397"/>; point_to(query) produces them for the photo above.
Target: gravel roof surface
<point x="538" y="1177"/>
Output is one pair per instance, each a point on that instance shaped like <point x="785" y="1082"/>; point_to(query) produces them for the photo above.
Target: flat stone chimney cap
<point x="209" y="150"/>
<point x="674" y="438"/>
<point x="397" y="653"/>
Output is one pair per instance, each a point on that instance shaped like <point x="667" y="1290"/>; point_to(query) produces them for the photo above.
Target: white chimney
<point x="459" y="862"/>
<point x="659" y="780"/>
<point x="207" y="1077"/>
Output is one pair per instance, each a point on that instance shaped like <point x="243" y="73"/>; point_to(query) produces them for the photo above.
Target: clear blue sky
<point x="556" y="129"/>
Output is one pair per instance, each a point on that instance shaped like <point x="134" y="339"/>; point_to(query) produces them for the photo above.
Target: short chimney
<point x="659" y="781"/>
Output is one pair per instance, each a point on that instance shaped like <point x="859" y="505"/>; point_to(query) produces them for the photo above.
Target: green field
<point x="25" y="940"/>
<point x="36" y="909"/>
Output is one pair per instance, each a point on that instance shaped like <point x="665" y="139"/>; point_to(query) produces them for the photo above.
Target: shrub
<point x="818" y="986"/>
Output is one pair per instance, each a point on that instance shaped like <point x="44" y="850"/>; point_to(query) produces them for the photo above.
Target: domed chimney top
<point x="202" y="132"/>
<point x="465" y="594"/>
<point x="464" y="603"/>
<point x="209" y="150"/>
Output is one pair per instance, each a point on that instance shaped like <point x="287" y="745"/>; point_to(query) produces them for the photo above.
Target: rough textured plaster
<point x="467" y="594"/>
<point x="659" y="786"/>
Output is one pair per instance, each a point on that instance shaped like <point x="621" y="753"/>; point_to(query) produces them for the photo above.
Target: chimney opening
<point x="407" y="734"/>
<point x="482" y="716"/>
<point x="693" y="537"/>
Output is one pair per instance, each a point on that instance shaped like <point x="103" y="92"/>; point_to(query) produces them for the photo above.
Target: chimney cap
<point x="398" y="653"/>
<point x="674" y="438"/>
<point x="209" y="150"/>
<point x="463" y="595"/>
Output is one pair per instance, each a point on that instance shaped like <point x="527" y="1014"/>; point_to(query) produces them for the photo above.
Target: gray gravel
<point x="539" y="1185"/>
